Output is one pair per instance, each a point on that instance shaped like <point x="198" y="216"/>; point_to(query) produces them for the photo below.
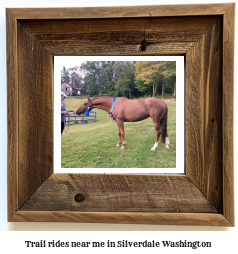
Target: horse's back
<point x="147" y="103"/>
<point x="140" y="109"/>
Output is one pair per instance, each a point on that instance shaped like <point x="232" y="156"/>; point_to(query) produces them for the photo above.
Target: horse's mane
<point x="102" y="97"/>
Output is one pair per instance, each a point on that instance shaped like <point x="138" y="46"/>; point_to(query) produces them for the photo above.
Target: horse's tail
<point x="163" y="124"/>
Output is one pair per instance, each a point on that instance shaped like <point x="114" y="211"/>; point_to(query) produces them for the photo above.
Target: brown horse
<point x="125" y="110"/>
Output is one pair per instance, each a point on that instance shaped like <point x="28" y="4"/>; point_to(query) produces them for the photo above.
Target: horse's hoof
<point x="167" y="146"/>
<point x="152" y="149"/>
<point x="117" y="145"/>
<point x="122" y="148"/>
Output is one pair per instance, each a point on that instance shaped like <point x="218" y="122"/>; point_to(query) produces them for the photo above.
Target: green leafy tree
<point x="124" y="78"/>
<point x="168" y="70"/>
<point x="65" y="75"/>
<point x="147" y="74"/>
<point x="154" y="74"/>
<point x="92" y="77"/>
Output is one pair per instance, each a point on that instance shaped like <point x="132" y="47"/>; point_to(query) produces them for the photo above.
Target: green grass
<point x="93" y="145"/>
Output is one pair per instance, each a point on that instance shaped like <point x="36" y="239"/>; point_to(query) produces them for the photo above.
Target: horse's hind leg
<point x="158" y="132"/>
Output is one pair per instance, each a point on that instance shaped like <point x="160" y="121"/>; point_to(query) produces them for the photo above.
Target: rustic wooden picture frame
<point x="204" y="34"/>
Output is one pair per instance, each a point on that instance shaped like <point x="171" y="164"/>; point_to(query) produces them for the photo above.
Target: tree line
<point x="131" y="79"/>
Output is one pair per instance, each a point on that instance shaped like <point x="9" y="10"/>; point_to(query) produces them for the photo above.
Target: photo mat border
<point x="179" y="169"/>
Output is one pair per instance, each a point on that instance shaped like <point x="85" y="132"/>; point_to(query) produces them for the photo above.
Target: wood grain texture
<point x="189" y="26"/>
<point x="204" y="113"/>
<point x="119" y="36"/>
<point x="190" y="219"/>
<point x="35" y="132"/>
<point x="77" y="49"/>
<point x="12" y="114"/>
<point x="119" y="193"/>
<point x="121" y="12"/>
<point x="227" y="113"/>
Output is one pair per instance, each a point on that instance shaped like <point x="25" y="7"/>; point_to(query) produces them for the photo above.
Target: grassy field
<point x="93" y="145"/>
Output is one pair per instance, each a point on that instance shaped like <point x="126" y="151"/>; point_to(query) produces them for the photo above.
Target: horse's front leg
<point x="121" y="134"/>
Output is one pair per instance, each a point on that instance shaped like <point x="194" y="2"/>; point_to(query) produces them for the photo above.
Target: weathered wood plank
<point x="191" y="219"/>
<point x="35" y="133"/>
<point x="204" y="113"/>
<point x="227" y="113"/>
<point x="177" y="25"/>
<point x="12" y="114"/>
<point x="77" y="26"/>
<point x="121" y="11"/>
<point x="119" y="36"/>
<point x="188" y="25"/>
<point x="118" y="193"/>
<point x="74" y="48"/>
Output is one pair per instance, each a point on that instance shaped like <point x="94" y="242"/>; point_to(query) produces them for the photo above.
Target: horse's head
<point x="82" y="109"/>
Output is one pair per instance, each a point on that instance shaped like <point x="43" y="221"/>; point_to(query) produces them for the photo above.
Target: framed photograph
<point x="202" y="34"/>
<point x="93" y="148"/>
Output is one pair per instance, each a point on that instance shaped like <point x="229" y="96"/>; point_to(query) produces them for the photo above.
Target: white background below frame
<point x="180" y="84"/>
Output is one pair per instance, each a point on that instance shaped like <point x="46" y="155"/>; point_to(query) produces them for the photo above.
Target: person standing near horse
<point x="63" y="111"/>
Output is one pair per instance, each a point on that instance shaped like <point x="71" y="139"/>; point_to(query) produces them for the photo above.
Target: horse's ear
<point x="90" y="99"/>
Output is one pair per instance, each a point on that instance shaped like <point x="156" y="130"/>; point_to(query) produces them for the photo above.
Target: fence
<point x="75" y="97"/>
<point x="72" y="119"/>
